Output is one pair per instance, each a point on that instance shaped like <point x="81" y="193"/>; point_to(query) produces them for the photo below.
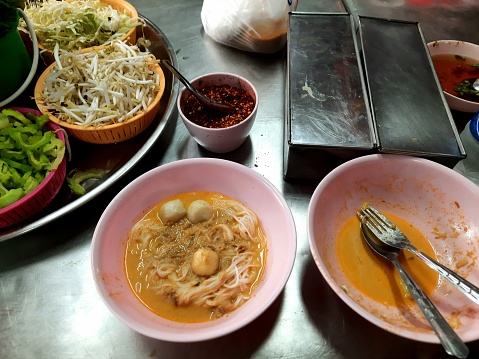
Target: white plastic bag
<point x="251" y="25"/>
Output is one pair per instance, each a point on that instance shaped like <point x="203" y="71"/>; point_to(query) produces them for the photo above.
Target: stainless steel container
<point x="361" y="85"/>
<point x="327" y="119"/>
<point x="407" y="104"/>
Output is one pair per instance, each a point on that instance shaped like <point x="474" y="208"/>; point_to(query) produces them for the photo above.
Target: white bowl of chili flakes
<point x="219" y="132"/>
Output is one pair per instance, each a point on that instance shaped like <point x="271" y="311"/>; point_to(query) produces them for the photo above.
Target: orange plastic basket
<point x="107" y="134"/>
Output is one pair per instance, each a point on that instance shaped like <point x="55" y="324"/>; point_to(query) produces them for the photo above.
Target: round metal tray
<point x="116" y="160"/>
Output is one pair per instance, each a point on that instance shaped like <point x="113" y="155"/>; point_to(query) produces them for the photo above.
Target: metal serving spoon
<point x="205" y="101"/>
<point x="475" y="85"/>
<point x="472" y="83"/>
<point x="447" y="336"/>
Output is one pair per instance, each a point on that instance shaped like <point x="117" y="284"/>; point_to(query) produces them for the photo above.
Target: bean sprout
<point x="85" y="89"/>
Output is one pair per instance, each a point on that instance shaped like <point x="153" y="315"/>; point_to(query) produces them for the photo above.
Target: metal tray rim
<point x="9" y="234"/>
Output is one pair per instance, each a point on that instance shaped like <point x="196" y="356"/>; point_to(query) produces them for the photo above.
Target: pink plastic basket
<point x="36" y="200"/>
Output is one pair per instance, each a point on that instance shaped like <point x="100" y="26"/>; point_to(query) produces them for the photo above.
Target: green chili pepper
<point x="18" y="115"/>
<point x="47" y="136"/>
<point x="7" y="143"/>
<point x="30" y="184"/>
<point x="22" y="167"/>
<point x="27" y="154"/>
<point x="4" y="121"/>
<point x="10" y="197"/>
<point x="75" y="182"/>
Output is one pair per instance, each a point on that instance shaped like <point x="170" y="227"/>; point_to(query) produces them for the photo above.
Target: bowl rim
<point x="214" y="129"/>
<point x="201" y="333"/>
<point x="41" y="104"/>
<point x="449" y="43"/>
<point x="330" y="178"/>
<point x="60" y="135"/>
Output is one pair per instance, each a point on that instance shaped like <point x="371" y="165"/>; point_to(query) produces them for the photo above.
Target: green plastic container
<point x="15" y="63"/>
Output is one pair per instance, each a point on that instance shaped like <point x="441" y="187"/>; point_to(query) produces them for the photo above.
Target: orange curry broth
<point x="156" y="303"/>
<point x="374" y="275"/>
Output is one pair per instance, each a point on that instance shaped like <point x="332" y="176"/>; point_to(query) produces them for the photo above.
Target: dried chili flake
<point x="238" y="98"/>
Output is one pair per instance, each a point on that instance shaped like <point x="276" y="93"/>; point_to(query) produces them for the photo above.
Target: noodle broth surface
<point x="158" y="260"/>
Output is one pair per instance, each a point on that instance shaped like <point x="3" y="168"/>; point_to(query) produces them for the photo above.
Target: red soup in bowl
<point x="456" y="73"/>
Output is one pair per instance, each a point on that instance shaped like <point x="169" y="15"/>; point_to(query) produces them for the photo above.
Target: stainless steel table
<point x="48" y="304"/>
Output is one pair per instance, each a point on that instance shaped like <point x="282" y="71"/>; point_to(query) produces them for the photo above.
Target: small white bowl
<point x="198" y="174"/>
<point x="431" y="197"/>
<point x="462" y="48"/>
<point x="220" y="140"/>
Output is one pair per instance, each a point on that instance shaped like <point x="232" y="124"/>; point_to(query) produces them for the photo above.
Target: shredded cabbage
<point x="102" y="87"/>
<point x="77" y="24"/>
<point x="27" y="154"/>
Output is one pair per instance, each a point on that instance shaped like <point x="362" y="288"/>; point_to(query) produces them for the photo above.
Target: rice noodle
<point x="234" y="233"/>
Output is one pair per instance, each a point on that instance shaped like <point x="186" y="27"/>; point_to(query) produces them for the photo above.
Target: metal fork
<point x="449" y="339"/>
<point x="387" y="232"/>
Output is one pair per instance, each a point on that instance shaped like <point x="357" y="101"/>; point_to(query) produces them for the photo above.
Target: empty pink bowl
<point x="432" y="198"/>
<point x="38" y="199"/>
<point x="220" y="140"/>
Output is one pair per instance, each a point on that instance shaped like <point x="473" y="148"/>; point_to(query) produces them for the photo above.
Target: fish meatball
<point x="172" y="211"/>
<point x="199" y="211"/>
<point x="205" y="262"/>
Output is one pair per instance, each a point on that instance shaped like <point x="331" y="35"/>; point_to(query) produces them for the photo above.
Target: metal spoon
<point x="447" y="336"/>
<point x="205" y="101"/>
<point x="475" y="85"/>
<point x="472" y="83"/>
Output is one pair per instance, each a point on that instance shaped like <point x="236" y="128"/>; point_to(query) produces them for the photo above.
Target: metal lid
<point x="407" y="103"/>
<point x="327" y="102"/>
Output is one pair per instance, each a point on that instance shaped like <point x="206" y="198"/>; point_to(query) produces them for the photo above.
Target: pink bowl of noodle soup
<point x="199" y="175"/>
